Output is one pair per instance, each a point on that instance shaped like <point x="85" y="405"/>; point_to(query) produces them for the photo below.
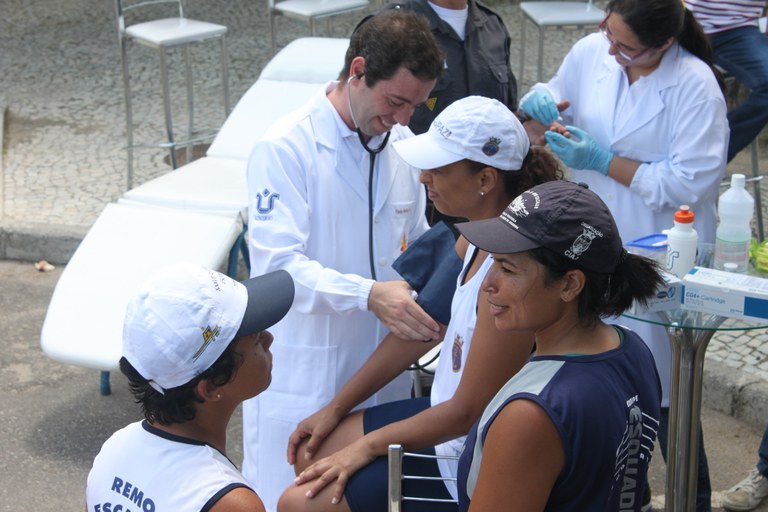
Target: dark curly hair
<point x="177" y="405"/>
<point x="539" y="166"/>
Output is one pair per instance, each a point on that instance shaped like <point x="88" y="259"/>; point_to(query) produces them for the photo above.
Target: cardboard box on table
<point x="728" y="294"/>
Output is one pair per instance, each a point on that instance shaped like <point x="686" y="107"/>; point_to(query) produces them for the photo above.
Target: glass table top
<point x="688" y="319"/>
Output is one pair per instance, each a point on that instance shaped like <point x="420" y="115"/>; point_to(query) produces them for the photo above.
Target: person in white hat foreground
<point x="476" y="157"/>
<point x="194" y="347"/>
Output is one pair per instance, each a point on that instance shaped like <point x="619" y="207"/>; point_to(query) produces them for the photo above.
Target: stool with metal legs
<point x="545" y="14"/>
<point x="310" y="10"/>
<point x="166" y="34"/>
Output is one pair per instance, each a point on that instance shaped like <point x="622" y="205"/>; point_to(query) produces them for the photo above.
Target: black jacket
<point x="479" y="65"/>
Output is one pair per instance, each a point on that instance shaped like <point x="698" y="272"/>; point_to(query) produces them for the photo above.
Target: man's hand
<point x="393" y="304"/>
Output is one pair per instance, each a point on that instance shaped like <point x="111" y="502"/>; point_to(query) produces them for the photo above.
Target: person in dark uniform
<point x="476" y="45"/>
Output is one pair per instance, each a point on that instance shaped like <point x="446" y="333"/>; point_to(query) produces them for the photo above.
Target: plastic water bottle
<point x="681" y="243"/>
<point x="734" y="231"/>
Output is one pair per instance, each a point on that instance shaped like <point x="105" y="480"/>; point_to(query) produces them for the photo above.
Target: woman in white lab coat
<point x="646" y="128"/>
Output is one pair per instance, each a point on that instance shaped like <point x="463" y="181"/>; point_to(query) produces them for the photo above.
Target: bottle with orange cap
<point x="682" y="240"/>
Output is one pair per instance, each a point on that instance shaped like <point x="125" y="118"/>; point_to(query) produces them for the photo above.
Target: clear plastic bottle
<point x="682" y="240"/>
<point x="734" y="232"/>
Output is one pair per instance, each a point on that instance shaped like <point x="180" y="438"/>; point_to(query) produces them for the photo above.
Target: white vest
<point x="453" y="355"/>
<point x="144" y="469"/>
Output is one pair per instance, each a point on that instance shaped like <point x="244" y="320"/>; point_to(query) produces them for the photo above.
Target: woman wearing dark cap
<point x="574" y="429"/>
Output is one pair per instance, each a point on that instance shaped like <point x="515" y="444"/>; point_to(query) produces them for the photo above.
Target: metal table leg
<point x="689" y="345"/>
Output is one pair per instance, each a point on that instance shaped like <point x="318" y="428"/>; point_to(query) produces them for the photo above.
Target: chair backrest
<point x="395" y="456"/>
<point x="143" y="10"/>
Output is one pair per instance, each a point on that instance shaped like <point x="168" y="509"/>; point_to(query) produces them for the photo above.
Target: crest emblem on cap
<point x="491" y="147"/>
<point x="209" y="336"/>
<point x="517" y="207"/>
<point x="582" y="242"/>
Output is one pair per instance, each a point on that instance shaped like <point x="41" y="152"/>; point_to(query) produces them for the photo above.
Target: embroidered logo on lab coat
<point x="265" y="203"/>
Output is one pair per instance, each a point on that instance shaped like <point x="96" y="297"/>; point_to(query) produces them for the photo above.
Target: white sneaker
<point x="746" y="494"/>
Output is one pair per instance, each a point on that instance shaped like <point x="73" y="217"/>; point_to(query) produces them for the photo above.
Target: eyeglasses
<point x="621" y="49"/>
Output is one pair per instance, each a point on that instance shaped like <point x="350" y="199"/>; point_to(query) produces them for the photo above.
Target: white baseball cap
<point x="474" y="128"/>
<point x="184" y="317"/>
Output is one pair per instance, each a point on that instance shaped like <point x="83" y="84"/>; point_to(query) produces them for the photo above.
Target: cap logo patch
<point x="582" y="242"/>
<point x="491" y="147"/>
<point x="442" y="129"/>
<point x="209" y="336"/>
<point x="518" y="209"/>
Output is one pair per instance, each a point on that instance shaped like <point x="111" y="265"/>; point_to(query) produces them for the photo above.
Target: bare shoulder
<point x="241" y="499"/>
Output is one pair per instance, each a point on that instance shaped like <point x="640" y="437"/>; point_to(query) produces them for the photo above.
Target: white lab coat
<point x="309" y="215"/>
<point x="678" y="128"/>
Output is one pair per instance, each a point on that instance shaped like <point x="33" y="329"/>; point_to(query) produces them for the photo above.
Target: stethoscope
<point x="372" y="152"/>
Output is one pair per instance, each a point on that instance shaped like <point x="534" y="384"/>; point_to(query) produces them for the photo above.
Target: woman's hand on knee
<point x="336" y="469"/>
<point x="309" y="435"/>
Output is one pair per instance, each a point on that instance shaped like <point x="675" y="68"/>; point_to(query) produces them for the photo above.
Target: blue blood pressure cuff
<point x="431" y="266"/>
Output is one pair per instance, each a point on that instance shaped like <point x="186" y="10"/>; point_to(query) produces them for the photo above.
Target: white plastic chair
<point x="310" y="10"/>
<point x="545" y="14"/>
<point x="166" y="34"/>
<point x="395" y="497"/>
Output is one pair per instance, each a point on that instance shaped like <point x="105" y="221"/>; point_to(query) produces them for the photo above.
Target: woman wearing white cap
<point x="194" y="347"/>
<point x="574" y="429"/>
<point x="476" y="157"/>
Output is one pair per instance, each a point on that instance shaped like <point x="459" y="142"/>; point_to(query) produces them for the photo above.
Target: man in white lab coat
<point x="334" y="205"/>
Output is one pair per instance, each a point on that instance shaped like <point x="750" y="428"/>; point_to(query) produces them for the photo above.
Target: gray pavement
<point x="62" y="132"/>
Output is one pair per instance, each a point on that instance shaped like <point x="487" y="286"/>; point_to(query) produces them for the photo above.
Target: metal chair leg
<point x="128" y="111"/>
<point x="753" y="149"/>
<point x="225" y="74"/>
<point x="540" y="72"/>
<point x="272" y="31"/>
<point x="190" y="101"/>
<point x="235" y="251"/>
<point x="522" y="47"/>
<point x="395" y="483"/>
<point x="104" y="387"/>
<point x="167" y="107"/>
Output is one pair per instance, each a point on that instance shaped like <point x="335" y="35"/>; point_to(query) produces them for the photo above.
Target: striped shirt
<point x="717" y="16"/>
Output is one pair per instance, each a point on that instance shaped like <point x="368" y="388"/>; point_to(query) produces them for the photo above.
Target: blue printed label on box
<point x="726" y="294"/>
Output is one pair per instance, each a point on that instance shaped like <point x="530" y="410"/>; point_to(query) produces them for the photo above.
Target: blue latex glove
<point x="580" y="151"/>
<point x="540" y="106"/>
